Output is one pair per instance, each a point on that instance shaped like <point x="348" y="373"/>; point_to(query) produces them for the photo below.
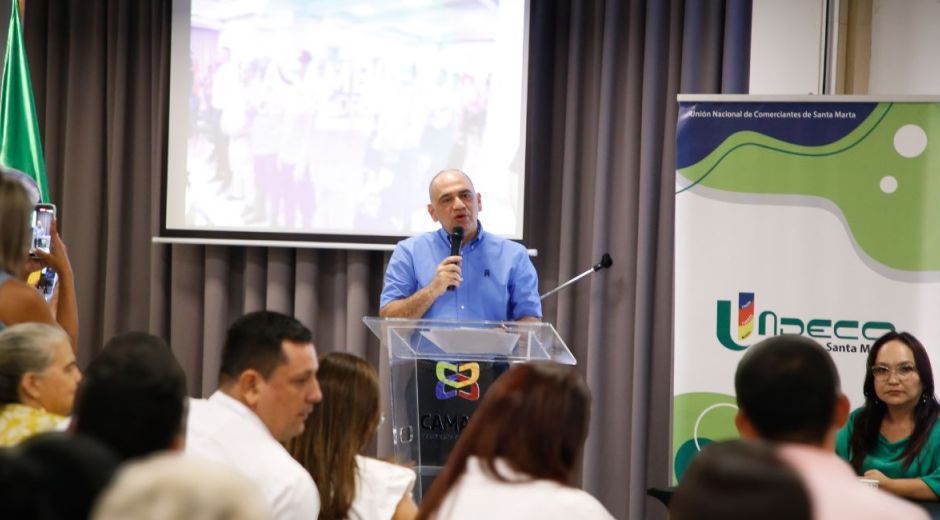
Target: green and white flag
<point x="20" y="140"/>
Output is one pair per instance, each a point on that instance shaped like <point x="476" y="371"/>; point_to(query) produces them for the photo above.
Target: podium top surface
<point x="471" y="340"/>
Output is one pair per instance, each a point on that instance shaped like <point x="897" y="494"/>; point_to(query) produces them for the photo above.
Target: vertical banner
<point x="798" y="217"/>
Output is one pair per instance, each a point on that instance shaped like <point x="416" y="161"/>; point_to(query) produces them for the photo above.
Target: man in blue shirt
<point x="494" y="278"/>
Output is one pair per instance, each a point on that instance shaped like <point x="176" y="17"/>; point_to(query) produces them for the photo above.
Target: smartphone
<point x="43" y="215"/>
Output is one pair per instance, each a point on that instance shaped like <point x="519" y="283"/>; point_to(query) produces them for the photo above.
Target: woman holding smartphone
<point x="19" y="302"/>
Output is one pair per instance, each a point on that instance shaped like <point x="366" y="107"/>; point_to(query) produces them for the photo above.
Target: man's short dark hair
<point x="54" y="475"/>
<point x="254" y="342"/>
<point x="132" y="396"/>
<point x="787" y="387"/>
<point x="740" y="480"/>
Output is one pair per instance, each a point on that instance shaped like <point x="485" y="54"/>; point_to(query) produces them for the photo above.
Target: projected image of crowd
<point x="299" y="121"/>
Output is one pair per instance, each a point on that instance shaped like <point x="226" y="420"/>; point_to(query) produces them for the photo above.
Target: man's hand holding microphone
<point x="448" y="275"/>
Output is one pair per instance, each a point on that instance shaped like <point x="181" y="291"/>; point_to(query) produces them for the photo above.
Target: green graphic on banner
<point x="812" y="216"/>
<point x="879" y="177"/>
<point x="699" y="419"/>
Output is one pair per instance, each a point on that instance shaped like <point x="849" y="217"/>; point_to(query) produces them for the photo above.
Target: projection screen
<point x="326" y="119"/>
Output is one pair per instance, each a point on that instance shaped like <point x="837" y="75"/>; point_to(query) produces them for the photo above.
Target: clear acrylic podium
<point x="439" y="370"/>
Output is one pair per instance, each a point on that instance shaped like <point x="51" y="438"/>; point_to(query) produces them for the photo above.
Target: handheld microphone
<point x="456" y="238"/>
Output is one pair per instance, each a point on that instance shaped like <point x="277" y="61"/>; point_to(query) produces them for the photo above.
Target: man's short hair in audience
<point x="54" y="475"/>
<point x="133" y="396"/>
<point x="740" y="480"/>
<point x="255" y="340"/>
<point x="787" y="386"/>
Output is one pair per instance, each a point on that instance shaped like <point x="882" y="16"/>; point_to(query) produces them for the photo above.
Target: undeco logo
<point x="460" y="382"/>
<point x="770" y="323"/>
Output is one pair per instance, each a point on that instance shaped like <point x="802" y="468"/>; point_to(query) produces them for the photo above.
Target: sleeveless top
<point x="4" y="276"/>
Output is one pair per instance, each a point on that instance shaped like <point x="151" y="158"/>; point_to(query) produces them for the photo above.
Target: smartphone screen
<point x="43" y="214"/>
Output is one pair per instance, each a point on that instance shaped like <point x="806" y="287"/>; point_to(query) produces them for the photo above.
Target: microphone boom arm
<point x="606" y="261"/>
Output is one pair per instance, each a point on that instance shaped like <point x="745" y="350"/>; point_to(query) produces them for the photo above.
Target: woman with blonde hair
<point x="340" y="428"/>
<point x="20" y="303"/>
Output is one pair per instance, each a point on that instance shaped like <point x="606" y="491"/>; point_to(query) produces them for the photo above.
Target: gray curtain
<point x="603" y="78"/>
<point x="602" y="105"/>
<point x="5" y="8"/>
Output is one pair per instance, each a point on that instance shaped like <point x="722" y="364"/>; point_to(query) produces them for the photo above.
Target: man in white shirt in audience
<point x="789" y="393"/>
<point x="267" y="388"/>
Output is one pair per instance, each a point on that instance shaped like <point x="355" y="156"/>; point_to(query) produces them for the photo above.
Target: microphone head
<point x="606" y="261"/>
<point x="456" y="238"/>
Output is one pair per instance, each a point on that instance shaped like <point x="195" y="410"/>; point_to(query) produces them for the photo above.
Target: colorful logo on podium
<point x="457" y="381"/>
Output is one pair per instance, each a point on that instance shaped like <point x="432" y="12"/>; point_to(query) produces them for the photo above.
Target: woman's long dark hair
<point x="868" y="421"/>
<point x="339" y="428"/>
<point x="534" y="417"/>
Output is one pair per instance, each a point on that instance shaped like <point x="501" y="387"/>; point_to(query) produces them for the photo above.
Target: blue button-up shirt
<point x="499" y="280"/>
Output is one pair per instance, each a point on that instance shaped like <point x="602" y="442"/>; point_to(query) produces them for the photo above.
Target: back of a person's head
<point x="339" y="428"/>
<point x="254" y="342"/>
<point x="787" y="387"/>
<point x="174" y="487"/>
<point x="133" y="396"/>
<point x="553" y="401"/>
<point x="25" y="348"/>
<point x="739" y="480"/>
<point x="54" y="476"/>
<point x="15" y="230"/>
<point x="19" y="496"/>
<point x="534" y="418"/>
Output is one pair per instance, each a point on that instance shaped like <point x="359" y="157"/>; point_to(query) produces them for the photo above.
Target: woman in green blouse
<point x="895" y="438"/>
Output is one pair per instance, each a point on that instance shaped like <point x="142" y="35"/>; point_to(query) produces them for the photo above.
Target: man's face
<point x="56" y="385"/>
<point x="454" y="202"/>
<point x="287" y="397"/>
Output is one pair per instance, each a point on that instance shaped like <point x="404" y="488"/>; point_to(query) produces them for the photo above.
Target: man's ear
<point x="432" y="212"/>
<point x="841" y="414"/>
<point x="744" y="426"/>
<point x="249" y="386"/>
<point x="479" y="202"/>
